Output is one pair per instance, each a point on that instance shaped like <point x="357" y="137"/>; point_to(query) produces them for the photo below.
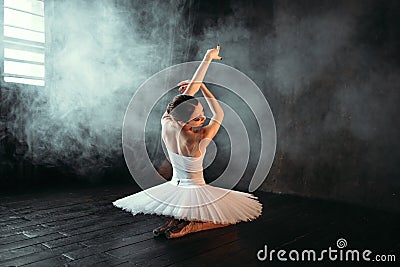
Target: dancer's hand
<point x="183" y="84"/>
<point x="213" y="53"/>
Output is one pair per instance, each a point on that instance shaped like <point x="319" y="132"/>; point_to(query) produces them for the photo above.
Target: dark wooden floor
<point x="82" y="228"/>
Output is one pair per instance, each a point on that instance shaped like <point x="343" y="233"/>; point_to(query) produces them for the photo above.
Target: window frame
<point x="5" y="84"/>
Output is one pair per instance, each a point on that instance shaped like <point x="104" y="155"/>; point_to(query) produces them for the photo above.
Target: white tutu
<point x="188" y="197"/>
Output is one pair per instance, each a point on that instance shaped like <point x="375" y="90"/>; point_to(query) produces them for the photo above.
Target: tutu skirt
<point x="194" y="202"/>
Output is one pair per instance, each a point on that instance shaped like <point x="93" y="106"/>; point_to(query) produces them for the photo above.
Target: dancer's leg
<point x="192" y="227"/>
<point x="209" y="225"/>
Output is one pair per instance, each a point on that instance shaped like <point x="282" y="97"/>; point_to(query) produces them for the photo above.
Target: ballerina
<point x="191" y="204"/>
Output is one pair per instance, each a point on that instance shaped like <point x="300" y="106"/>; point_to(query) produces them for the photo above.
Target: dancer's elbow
<point x="220" y="113"/>
<point x="218" y="116"/>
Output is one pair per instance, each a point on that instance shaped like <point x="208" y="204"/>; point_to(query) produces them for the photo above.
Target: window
<point x="24" y="40"/>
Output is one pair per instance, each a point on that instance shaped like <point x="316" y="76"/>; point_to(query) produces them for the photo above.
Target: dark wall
<point x="329" y="70"/>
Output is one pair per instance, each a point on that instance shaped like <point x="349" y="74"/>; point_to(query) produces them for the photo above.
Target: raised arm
<point x="209" y="131"/>
<point x="197" y="79"/>
<point x="216" y="110"/>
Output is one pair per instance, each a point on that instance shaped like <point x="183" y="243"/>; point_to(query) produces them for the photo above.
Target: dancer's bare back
<point x="191" y="139"/>
<point x="179" y="141"/>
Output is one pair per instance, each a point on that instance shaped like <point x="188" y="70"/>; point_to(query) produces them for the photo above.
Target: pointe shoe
<point x="161" y="229"/>
<point x="193" y="227"/>
<point x="178" y="230"/>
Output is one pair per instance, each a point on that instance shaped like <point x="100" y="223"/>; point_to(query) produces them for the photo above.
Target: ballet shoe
<point x="177" y="230"/>
<point x="192" y="227"/>
<point x="161" y="229"/>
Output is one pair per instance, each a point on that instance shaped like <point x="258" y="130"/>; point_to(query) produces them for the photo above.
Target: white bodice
<point x="186" y="170"/>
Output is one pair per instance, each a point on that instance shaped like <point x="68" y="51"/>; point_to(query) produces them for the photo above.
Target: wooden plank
<point x="58" y="238"/>
<point x="29" y="242"/>
<point x="40" y="253"/>
<point x="44" y="223"/>
<point x="61" y="224"/>
<point x="67" y="232"/>
<point x="15" y="253"/>
<point x="77" y="250"/>
<point x="88" y="233"/>
<point x="29" y="221"/>
<point x="136" y="235"/>
<point x="98" y="260"/>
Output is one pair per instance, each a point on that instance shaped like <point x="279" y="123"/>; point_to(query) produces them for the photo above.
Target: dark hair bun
<point x="181" y="107"/>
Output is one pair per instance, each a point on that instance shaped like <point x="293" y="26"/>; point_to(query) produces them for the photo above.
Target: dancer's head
<point x="186" y="110"/>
